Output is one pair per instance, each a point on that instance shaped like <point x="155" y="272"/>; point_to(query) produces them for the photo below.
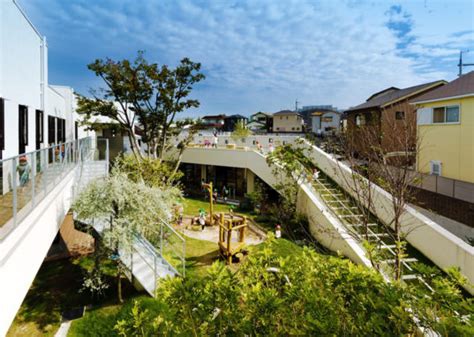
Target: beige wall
<point x="287" y="123"/>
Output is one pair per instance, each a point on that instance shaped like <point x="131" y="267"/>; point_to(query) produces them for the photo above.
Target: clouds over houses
<point x="261" y="55"/>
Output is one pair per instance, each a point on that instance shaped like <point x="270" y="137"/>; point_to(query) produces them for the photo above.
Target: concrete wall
<point x="439" y="245"/>
<point x="324" y="226"/>
<point x="23" y="250"/>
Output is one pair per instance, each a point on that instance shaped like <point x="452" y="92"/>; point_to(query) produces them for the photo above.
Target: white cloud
<point x="258" y="55"/>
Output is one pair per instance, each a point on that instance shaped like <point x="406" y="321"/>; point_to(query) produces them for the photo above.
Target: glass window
<point x="452" y="114"/>
<point x="399" y="115"/>
<point x="438" y="115"/>
<point x="360" y="120"/>
<point x="2" y="124"/>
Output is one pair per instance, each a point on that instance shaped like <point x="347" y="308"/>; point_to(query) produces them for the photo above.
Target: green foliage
<point x="139" y="91"/>
<point x="304" y="294"/>
<point x="130" y="207"/>
<point x="240" y="131"/>
<point x="152" y="172"/>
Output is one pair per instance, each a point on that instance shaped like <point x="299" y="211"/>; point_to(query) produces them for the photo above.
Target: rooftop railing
<point x="26" y="179"/>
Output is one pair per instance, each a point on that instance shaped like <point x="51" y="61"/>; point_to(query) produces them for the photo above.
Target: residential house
<point x="325" y="122"/>
<point x="445" y="127"/>
<point x="213" y="122"/>
<point x="288" y="121"/>
<point x="388" y="117"/>
<point x="230" y="122"/>
<point x="260" y="122"/>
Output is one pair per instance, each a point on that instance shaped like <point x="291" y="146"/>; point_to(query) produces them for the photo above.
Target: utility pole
<point x="296" y="105"/>
<point x="460" y="65"/>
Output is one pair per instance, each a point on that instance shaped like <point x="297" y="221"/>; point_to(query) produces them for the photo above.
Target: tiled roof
<point x="462" y="86"/>
<point x="393" y="95"/>
<point x="286" y="112"/>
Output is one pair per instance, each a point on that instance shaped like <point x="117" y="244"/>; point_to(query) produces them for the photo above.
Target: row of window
<point x="56" y="127"/>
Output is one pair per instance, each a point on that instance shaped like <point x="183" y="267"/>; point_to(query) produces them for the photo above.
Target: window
<point x="399" y="115"/>
<point x="39" y="126"/>
<point x="2" y="124"/>
<point x="23" y="125"/>
<point x="51" y="130"/>
<point x="76" y="130"/>
<point x="287" y="117"/>
<point x="327" y="119"/>
<point x="61" y="130"/>
<point x="360" y="120"/>
<point x="446" y="114"/>
<point x="435" y="167"/>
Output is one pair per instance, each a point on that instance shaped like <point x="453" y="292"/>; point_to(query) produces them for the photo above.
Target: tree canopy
<point x="139" y="93"/>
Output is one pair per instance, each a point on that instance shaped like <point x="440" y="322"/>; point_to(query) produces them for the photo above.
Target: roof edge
<point x="442" y="99"/>
<point x="414" y="93"/>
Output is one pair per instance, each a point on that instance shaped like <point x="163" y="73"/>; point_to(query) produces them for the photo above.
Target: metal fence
<point x="28" y="178"/>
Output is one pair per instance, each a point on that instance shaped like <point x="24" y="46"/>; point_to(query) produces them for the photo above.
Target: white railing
<point x="28" y="178"/>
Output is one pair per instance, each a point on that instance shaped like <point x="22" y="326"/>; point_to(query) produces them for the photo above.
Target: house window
<point x="23" y="124"/>
<point x="2" y="124"/>
<point x="39" y="126"/>
<point x="399" y="115"/>
<point x="446" y="114"/>
<point x="76" y="130"/>
<point x="51" y="130"/>
<point x="435" y="167"/>
<point x="360" y="120"/>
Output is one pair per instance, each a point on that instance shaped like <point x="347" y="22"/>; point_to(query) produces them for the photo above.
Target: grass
<point x="192" y="206"/>
<point x="57" y="288"/>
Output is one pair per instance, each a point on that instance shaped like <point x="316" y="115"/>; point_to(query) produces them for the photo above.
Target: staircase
<point x="146" y="262"/>
<point x="367" y="227"/>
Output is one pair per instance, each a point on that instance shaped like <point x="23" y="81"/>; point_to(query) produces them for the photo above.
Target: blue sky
<point x="262" y="55"/>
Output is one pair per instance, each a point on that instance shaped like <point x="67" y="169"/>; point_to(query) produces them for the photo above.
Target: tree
<point x="373" y="162"/>
<point x="303" y="293"/>
<point x="142" y="93"/>
<point x="241" y="131"/>
<point x="126" y="207"/>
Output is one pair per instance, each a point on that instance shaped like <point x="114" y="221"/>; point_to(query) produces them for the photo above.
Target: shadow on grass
<point x="56" y="288"/>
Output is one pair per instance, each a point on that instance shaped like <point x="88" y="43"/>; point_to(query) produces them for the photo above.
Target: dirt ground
<point x="211" y="233"/>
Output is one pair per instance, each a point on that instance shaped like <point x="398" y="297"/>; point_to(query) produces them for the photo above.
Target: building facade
<point x="288" y="121"/>
<point x="446" y="128"/>
<point x="325" y="122"/>
<point x="387" y="119"/>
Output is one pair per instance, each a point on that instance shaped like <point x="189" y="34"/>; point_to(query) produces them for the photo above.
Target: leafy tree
<point x="302" y="294"/>
<point x="126" y="207"/>
<point x="143" y="93"/>
<point x="241" y="131"/>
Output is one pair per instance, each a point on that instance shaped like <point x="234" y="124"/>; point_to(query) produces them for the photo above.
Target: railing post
<point x="154" y="273"/>
<point x="14" y="190"/>
<point x="33" y="178"/>
<point x="184" y="258"/>
<point x="161" y="239"/>
<point x="107" y="156"/>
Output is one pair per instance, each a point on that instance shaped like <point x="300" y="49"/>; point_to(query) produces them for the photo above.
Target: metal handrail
<point x="46" y="148"/>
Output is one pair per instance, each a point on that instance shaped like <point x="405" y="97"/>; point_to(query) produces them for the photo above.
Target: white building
<point x="34" y="113"/>
<point x="325" y="122"/>
<point x="33" y="116"/>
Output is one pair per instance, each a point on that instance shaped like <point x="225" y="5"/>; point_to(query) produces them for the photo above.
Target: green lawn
<point x="57" y="288"/>
<point x="192" y="206"/>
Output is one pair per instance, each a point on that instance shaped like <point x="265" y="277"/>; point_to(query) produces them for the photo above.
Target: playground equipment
<point x="228" y="223"/>
<point x="209" y="188"/>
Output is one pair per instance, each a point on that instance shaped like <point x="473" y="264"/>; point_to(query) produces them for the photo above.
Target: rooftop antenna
<point x="460" y="65"/>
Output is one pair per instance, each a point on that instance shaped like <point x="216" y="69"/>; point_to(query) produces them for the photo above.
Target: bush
<point x="305" y="294"/>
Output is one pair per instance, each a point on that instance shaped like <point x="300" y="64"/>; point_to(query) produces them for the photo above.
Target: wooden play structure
<point x="209" y="189"/>
<point x="228" y="223"/>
